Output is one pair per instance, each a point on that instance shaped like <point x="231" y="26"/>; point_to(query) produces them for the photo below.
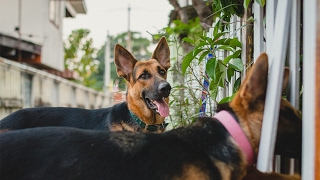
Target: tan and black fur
<point x="147" y="85"/>
<point x="202" y="151"/>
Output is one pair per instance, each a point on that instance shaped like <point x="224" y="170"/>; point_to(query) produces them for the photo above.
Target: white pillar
<point x="272" y="104"/>
<point x="310" y="18"/>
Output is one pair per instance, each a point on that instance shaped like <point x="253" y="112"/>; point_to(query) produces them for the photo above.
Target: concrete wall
<point x="22" y="86"/>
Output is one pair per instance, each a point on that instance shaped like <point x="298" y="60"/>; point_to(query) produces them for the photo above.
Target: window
<point x="54" y="12"/>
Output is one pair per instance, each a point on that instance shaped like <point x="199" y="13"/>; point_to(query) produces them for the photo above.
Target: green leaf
<point x="250" y="19"/>
<point x="171" y="102"/>
<point x="213" y="88"/>
<point x="261" y="2"/>
<point x="246" y="4"/>
<point x="186" y="62"/>
<point x="209" y="40"/>
<point x="236" y="63"/>
<point x="201" y="44"/>
<point x="227" y="99"/>
<point x="223" y="41"/>
<point x="230" y="73"/>
<point x="235" y="43"/>
<point x="223" y="47"/>
<point x="227" y="59"/>
<point x="224" y="100"/>
<point x="217" y="36"/>
<point x="237" y="54"/>
<point x="221" y="66"/>
<point x="203" y="55"/>
<point x="196" y="52"/>
<point x="216" y="28"/>
<point x="186" y="39"/>
<point x="236" y="85"/>
<point x="187" y="101"/>
<point x="221" y="77"/>
<point x="211" y="67"/>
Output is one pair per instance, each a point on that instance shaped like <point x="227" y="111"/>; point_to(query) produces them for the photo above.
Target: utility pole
<point x="107" y="60"/>
<point x="19" y="31"/>
<point x="129" y="46"/>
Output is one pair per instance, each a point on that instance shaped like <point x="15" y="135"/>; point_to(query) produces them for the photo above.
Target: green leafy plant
<point x="213" y="60"/>
<point x="189" y="73"/>
<point x="80" y="56"/>
<point x="220" y="70"/>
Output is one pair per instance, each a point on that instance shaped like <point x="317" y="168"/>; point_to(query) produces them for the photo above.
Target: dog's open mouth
<point x="159" y="106"/>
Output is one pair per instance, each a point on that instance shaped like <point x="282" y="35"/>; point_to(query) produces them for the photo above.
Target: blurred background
<point x="60" y="52"/>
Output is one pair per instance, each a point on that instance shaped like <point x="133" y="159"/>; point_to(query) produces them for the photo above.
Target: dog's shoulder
<point x="118" y="114"/>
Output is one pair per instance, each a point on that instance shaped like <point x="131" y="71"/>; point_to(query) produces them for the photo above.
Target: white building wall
<point x="8" y="17"/>
<point x="52" y="50"/>
<point x="36" y="27"/>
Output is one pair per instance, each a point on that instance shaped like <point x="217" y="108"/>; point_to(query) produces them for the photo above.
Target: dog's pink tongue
<point x="163" y="107"/>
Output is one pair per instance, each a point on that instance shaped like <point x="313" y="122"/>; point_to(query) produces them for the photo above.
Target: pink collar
<point x="236" y="133"/>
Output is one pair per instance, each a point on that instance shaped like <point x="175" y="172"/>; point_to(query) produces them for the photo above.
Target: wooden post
<point x="247" y="40"/>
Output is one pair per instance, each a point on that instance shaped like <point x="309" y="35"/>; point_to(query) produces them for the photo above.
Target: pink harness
<point x="236" y="133"/>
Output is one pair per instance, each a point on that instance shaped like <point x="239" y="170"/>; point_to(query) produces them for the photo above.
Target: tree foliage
<point x="79" y="56"/>
<point x="139" y="50"/>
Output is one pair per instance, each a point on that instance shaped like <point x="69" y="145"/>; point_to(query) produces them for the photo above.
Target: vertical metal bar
<point x="270" y="17"/>
<point x="294" y="61"/>
<point x="271" y="111"/>
<point x="310" y="18"/>
<point x="294" y="54"/>
<point x="129" y="43"/>
<point x="258" y="31"/>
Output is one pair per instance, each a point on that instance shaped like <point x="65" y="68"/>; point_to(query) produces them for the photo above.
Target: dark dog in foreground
<point x="222" y="147"/>
<point x="145" y="109"/>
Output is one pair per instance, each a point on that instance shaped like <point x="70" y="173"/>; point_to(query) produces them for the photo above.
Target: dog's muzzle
<point x="156" y="101"/>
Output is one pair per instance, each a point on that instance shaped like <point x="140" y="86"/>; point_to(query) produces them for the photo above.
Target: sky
<point x="112" y="16"/>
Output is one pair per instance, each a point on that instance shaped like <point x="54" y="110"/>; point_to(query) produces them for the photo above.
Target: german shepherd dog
<point x="145" y="108"/>
<point x="220" y="147"/>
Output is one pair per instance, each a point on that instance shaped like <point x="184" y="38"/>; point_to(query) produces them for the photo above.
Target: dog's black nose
<point x="164" y="89"/>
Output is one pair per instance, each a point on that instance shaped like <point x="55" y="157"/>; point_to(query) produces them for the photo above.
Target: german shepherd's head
<point x="249" y="104"/>
<point x="147" y="88"/>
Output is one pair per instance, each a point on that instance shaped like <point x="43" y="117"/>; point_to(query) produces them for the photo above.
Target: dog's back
<point x="70" y="153"/>
<point x="203" y="151"/>
<point x="100" y="119"/>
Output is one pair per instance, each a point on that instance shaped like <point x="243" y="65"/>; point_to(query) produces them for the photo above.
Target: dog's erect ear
<point x="255" y="83"/>
<point x="162" y="53"/>
<point x="124" y="61"/>
<point x="285" y="78"/>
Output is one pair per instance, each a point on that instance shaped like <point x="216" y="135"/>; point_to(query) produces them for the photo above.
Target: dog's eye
<point x="162" y="72"/>
<point x="144" y="76"/>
